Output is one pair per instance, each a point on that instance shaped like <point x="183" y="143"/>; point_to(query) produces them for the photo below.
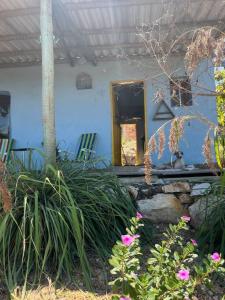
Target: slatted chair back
<point x="5" y="149"/>
<point x="86" y="146"/>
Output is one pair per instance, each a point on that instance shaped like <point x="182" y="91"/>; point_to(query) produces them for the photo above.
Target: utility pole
<point x="48" y="103"/>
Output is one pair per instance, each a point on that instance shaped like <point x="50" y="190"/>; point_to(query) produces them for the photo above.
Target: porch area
<point x="82" y="93"/>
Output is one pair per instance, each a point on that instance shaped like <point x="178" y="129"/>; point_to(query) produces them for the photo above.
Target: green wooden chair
<point x="85" y="150"/>
<point x="5" y="149"/>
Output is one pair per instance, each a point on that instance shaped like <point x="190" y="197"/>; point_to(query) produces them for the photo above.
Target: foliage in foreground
<point x="211" y="234"/>
<point x="57" y="216"/>
<point x="219" y="140"/>
<point x="173" y="270"/>
<point x="220" y="88"/>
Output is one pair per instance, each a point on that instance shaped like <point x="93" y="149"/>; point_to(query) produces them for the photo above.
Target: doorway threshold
<point x="129" y="170"/>
<point x="168" y="173"/>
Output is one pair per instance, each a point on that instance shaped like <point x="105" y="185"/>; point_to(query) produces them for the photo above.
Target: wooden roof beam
<point x="125" y="3"/>
<point x="20" y="37"/>
<point x="62" y="61"/>
<point x="20" y="12"/>
<point x="77" y="49"/>
<point x="22" y="53"/>
<point x="58" y="51"/>
<point x="135" y="29"/>
<point x="28" y="64"/>
<point x="117" y="30"/>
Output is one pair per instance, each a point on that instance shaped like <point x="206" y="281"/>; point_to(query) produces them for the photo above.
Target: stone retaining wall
<point x="165" y="203"/>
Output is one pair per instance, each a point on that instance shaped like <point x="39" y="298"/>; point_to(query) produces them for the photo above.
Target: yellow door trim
<point x="146" y="114"/>
<point x="114" y="158"/>
<point x="116" y="133"/>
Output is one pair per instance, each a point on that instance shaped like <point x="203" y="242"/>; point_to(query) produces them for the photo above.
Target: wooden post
<point x="48" y="104"/>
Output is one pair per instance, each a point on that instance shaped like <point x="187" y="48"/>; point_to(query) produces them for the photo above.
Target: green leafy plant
<point x="219" y="134"/>
<point x="173" y="270"/>
<point x="220" y="88"/>
<point x="57" y="216"/>
<point x="219" y="145"/>
<point x="211" y="234"/>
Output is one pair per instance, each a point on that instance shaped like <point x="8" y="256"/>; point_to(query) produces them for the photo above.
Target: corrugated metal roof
<point x="106" y="29"/>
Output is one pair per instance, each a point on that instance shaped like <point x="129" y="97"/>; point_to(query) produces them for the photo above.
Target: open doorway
<point x="4" y="115"/>
<point x="128" y="103"/>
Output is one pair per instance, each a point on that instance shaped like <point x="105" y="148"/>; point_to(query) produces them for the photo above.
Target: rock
<point x="200" y="209"/>
<point x="159" y="181"/>
<point x="149" y="192"/>
<point x="145" y="192"/>
<point x="200" y="189"/>
<point x="133" y="191"/>
<point x="156" y="189"/>
<point x="185" y="199"/>
<point x="177" y="187"/>
<point x="162" y="208"/>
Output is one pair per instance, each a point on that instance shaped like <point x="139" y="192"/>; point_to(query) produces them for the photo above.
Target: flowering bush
<point x="173" y="271"/>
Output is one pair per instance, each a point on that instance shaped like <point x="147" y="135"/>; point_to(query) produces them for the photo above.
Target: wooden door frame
<point x="113" y="111"/>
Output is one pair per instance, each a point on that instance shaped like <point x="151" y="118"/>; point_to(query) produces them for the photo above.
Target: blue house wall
<point x="79" y="111"/>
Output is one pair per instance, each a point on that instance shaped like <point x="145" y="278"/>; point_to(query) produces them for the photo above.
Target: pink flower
<point x="136" y="236"/>
<point x="183" y="274"/>
<point x="139" y="216"/>
<point x="125" y="298"/>
<point x="216" y="257"/>
<point x="186" y="218"/>
<point x="194" y="242"/>
<point x="127" y="239"/>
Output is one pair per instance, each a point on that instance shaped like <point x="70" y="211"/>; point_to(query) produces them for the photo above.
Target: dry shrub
<point x="5" y="194"/>
<point x="205" y="44"/>
<point x="219" y="52"/>
<point x="51" y="293"/>
<point x="153" y="144"/>
<point x="207" y="151"/>
<point x="6" y="197"/>
<point x="201" y="47"/>
<point x="176" y="133"/>
<point x="159" y="96"/>
<point x="2" y="169"/>
<point x="152" y="148"/>
<point x="161" y="142"/>
<point x="148" y="166"/>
